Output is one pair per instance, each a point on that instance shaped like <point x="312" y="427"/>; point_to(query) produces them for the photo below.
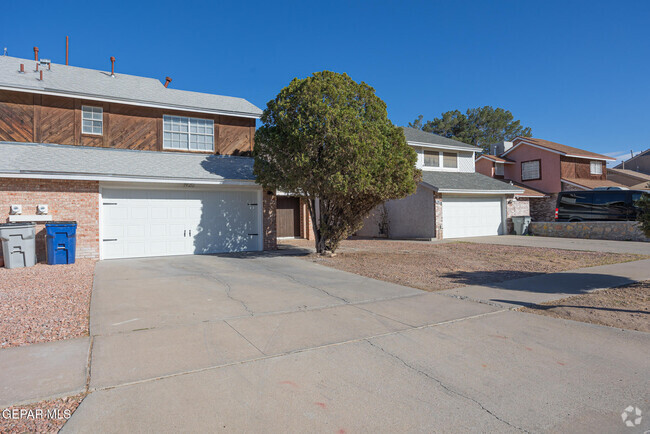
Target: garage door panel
<point x="174" y="222"/>
<point x="471" y="216"/>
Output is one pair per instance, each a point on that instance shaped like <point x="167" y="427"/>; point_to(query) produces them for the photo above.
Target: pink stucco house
<point x="545" y="167"/>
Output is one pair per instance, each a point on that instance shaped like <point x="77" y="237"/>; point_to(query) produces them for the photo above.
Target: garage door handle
<point x="190" y="232"/>
<point x="185" y="233"/>
<point x="109" y="239"/>
<point x="110" y="203"/>
<point x="253" y="235"/>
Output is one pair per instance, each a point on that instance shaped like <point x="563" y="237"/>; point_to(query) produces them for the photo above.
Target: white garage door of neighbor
<point x="137" y="223"/>
<point x="471" y="216"/>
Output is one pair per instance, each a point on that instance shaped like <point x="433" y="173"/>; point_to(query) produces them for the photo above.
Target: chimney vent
<point x="67" y="48"/>
<point x="41" y="75"/>
<point x="167" y="81"/>
<point x="22" y="68"/>
<point x="36" y="54"/>
<point x="112" y="66"/>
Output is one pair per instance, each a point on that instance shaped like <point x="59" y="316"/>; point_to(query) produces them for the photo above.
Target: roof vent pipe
<point x="67" y="48"/>
<point x="36" y="54"/>
<point x="41" y="75"/>
<point x="22" y="68"/>
<point x="112" y="66"/>
<point x="167" y="81"/>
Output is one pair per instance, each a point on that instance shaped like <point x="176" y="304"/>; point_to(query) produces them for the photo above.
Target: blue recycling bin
<point x="61" y="242"/>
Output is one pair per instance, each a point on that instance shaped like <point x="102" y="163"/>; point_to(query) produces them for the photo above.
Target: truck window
<point x="610" y="198"/>
<point x="576" y="200"/>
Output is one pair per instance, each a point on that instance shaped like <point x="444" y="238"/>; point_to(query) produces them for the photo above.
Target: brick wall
<point x="543" y="209"/>
<point x="515" y="207"/>
<point x="306" y="227"/>
<point x="269" y="208"/>
<point x="437" y="198"/>
<point x="66" y="200"/>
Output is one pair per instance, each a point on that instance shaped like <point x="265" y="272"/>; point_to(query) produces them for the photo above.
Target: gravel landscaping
<point x="436" y="266"/>
<point x="626" y="307"/>
<point x="42" y="417"/>
<point x="45" y="302"/>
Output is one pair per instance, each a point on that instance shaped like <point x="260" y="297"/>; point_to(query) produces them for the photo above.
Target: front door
<point x="288" y="217"/>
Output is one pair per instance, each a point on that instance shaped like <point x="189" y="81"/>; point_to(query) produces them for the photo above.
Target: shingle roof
<point x="466" y="181"/>
<point x="496" y="159"/>
<point x="102" y="163"/>
<point x="419" y="136"/>
<point x="528" y="191"/>
<point x="630" y="173"/>
<point x="123" y="88"/>
<point x="593" y="183"/>
<point x="564" y="149"/>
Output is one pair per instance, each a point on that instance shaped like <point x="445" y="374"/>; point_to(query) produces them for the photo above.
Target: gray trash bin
<point x="521" y="224"/>
<point x="18" y="244"/>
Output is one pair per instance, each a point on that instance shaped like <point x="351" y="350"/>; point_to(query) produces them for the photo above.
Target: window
<point x="188" y="133"/>
<point x="596" y="168"/>
<point x="530" y="170"/>
<point x="91" y="120"/>
<point x="431" y="158"/>
<point x="450" y="160"/>
<point x="498" y="169"/>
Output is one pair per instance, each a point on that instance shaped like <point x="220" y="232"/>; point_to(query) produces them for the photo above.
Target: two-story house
<point x="144" y="169"/>
<point x="545" y="167"/>
<point x="452" y="201"/>
<point x="638" y="163"/>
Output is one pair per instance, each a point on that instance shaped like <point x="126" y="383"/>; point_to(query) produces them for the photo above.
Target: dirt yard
<point x="626" y="307"/>
<point x="45" y="302"/>
<point x="436" y="266"/>
<point x="42" y="417"/>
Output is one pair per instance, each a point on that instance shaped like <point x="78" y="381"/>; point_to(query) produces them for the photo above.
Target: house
<point x="632" y="179"/>
<point x="545" y="167"/>
<point x="638" y="163"/>
<point x="452" y="201"/>
<point x="144" y="169"/>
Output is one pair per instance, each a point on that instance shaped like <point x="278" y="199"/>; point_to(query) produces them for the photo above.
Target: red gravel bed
<point x="435" y="266"/>
<point x="42" y="417"/>
<point x="45" y="302"/>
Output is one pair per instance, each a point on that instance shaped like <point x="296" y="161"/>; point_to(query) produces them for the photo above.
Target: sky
<point x="576" y="72"/>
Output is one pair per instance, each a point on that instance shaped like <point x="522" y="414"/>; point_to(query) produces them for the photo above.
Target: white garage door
<point x="467" y="216"/>
<point x="138" y="223"/>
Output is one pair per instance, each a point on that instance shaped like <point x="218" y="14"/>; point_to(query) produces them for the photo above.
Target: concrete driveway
<point x="278" y="344"/>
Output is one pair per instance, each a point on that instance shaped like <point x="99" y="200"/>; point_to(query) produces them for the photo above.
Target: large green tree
<point x="479" y="126"/>
<point x="329" y="139"/>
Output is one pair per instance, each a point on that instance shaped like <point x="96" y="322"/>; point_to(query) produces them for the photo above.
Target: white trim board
<point x="121" y="178"/>
<point x="450" y="147"/>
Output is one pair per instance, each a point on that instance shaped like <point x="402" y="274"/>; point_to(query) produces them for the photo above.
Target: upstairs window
<point x="498" y="169"/>
<point x="92" y="120"/>
<point x="596" y="168"/>
<point x="450" y="160"/>
<point x="188" y="134"/>
<point x="530" y="170"/>
<point x="431" y="158"/>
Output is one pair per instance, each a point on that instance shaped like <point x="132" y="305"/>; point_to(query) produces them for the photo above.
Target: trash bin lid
<point x="16" y="224"/>
<point x="72" y="223"/>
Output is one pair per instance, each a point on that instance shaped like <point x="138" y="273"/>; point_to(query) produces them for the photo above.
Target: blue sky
<point x="577" y="72"/>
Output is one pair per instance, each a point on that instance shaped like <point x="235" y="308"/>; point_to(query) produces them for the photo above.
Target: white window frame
<point x="598" y="165"/>
<point x="168" y="130"/>
<point x="440" y="166"/>
<point x="96" y="117"/>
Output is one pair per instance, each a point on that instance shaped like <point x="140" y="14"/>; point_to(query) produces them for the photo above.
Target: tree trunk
<point x="318" y="235"/>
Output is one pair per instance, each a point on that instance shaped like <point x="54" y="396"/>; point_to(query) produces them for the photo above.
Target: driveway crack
<point x="444" y="386"/>
<point x="230" y="296"/>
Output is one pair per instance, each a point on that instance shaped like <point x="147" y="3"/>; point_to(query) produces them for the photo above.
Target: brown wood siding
<point x="16" y="117"/>
<point x="288" y="216"/>
<point x="47" y="119"/>
<point x="580" y="168"/>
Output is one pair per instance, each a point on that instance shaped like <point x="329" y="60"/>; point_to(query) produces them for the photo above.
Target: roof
<point x="528" y="192"/>
<point x="593" y="183"/>
<point x="415" y="136"/>
<point x="568" y="151"/>
<point x="97" y="85"/>
<point x="496" y="159"/>
<point x="630" y="160"/>
<point x="83" y="162"/>
<point x="466" y="182"/>
<point x="631" y="173"/>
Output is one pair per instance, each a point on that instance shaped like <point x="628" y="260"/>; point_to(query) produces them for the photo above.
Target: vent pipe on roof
<point x="22" y="68"/>
<point x="41" y="75"/>
<point x="167" y="81"/>
<point x="36" y="54"/>
<point x="67" y="48"/>
<point x="112" y="66"/>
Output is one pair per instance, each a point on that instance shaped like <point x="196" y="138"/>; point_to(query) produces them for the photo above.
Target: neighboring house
<point x="452" y="201"/>
<point x="546" y="167"/>
<point x="630" y="178"/>
<point x="638" y="163"/>
<point x="144" y="169"/>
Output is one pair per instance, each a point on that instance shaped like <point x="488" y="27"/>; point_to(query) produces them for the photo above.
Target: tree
<point x="329" y="139"/>
<point x="643" y="212"/>
<point x="481" y="126"/>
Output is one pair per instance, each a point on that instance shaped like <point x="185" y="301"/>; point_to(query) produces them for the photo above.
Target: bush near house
<point x="643" y="215"/>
